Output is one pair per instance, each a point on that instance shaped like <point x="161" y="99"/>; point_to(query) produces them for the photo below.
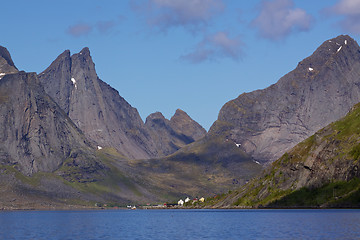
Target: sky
<point x="162" y="55"/>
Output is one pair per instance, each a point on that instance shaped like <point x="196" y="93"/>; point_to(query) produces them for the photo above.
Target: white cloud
<point x="350" y="9"/>
<point x="166" y="14"/>
<point x="218" y="45"/>
<point x="278" y="18"/>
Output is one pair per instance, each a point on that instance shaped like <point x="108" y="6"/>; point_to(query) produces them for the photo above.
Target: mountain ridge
<point x="321" y="89"/>
<point x="99" y="111"/>
<point x="321" y="171"/>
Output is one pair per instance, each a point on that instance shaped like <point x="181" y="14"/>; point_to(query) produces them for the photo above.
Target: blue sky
<point x="167" y="54"/>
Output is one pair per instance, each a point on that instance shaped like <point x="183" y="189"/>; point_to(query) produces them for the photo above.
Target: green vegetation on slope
<point x="335" y="194"/>
<point x="322" y="171"/>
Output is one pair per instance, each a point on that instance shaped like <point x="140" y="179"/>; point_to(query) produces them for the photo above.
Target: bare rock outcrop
<point x="96" y="108"/>
<point x="321" y="89"/>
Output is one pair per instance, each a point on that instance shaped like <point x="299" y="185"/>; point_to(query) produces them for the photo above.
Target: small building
<point x="202" y="199"/>
<point x="181" y="202"/>
<point x="187" y="200"/>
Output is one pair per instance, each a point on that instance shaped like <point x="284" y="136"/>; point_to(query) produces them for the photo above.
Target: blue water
<point x="181" y="224"/>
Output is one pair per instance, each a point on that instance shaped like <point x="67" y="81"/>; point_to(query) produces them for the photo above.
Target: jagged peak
<point x="6" y="65"/>
<point x="64" y="56"/>
<point x="4" y="53"/>
<point x="180" y="114"/>
<point x="84" y="53"/>
<point x="155" y="115"/>
<point x="179" y="111"/>
<point x="329" y="50"/>
<point x="85" y="50"/>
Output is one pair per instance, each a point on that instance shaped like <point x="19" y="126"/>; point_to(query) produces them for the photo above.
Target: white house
<point x="181" y="202"/>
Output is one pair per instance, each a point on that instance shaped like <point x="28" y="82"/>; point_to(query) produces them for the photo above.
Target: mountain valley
<point x="68" y="139"/>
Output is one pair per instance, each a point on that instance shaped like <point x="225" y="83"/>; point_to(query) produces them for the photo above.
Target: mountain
<point x="108" y="119"/>
<point x="36" y="134"/>
<point x="47" y="162"/>
<point x="322" y="171"/>
<point x="96" y="108"/>
<point x="171" y="135"/>
<point x="321" y="89"/>
<point x="6" y="63"/>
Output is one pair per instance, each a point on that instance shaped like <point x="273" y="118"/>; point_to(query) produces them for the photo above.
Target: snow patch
<point x="338" y="44"/>
<point x="257" y="162"/>
<point x="339" y="49"/>
<point x="330" y="41"/>
<point x="99" y="148"/>
<point x="311" y="69"/>
<point x="74" y="82"/>
<point x="238" y="144"/>
<point x="2" y="74"/>
<point x="345" y="42"/>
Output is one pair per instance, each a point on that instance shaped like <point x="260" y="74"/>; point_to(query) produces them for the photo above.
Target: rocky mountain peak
<point x="171" y="135"/>
<point x="182" y="122"/>
<point x="330" y="51"/>
<point x="95" y="107"/>
<point x="155" y="115"/>
<point x="321" y="89"/>
<point x="85" y="51"/>
<point x="6" y="63"/>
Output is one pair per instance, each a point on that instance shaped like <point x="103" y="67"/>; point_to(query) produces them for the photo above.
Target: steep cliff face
<point x="96" y="108"/>
<point x="36" y="135"/>
<point x="321" y="89"/>
<point x="323" y="170"/>
<point x="171" y="135"/>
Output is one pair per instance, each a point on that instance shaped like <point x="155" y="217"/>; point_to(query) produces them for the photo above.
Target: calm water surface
<point x="181" y="224"/>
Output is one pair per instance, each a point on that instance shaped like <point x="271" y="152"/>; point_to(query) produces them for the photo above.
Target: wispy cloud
<point x="212" y="47"/>
<point x="278" y="18"/>
<point x="80" y="29"/>
<point x="103" y="27"/>
<point x="191" y="14"/>
<point x="350" y="10"/>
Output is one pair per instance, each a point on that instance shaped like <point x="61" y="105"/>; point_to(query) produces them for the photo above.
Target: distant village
<point x="187" y="202"/>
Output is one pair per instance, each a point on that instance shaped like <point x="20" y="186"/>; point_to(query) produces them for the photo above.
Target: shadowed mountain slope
<point x="171" y="135"/>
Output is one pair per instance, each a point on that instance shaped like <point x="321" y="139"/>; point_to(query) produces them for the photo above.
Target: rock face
<point x="96" y="108"/>
<point x="321" y="89"/>
<point x="171" y="135"/>
<point x="182" y="123"/>
<point x="36" y="135"/>
<point x="323" y="171"/>
<point x="108" y="119"/>
<point x="6" y="63"/>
